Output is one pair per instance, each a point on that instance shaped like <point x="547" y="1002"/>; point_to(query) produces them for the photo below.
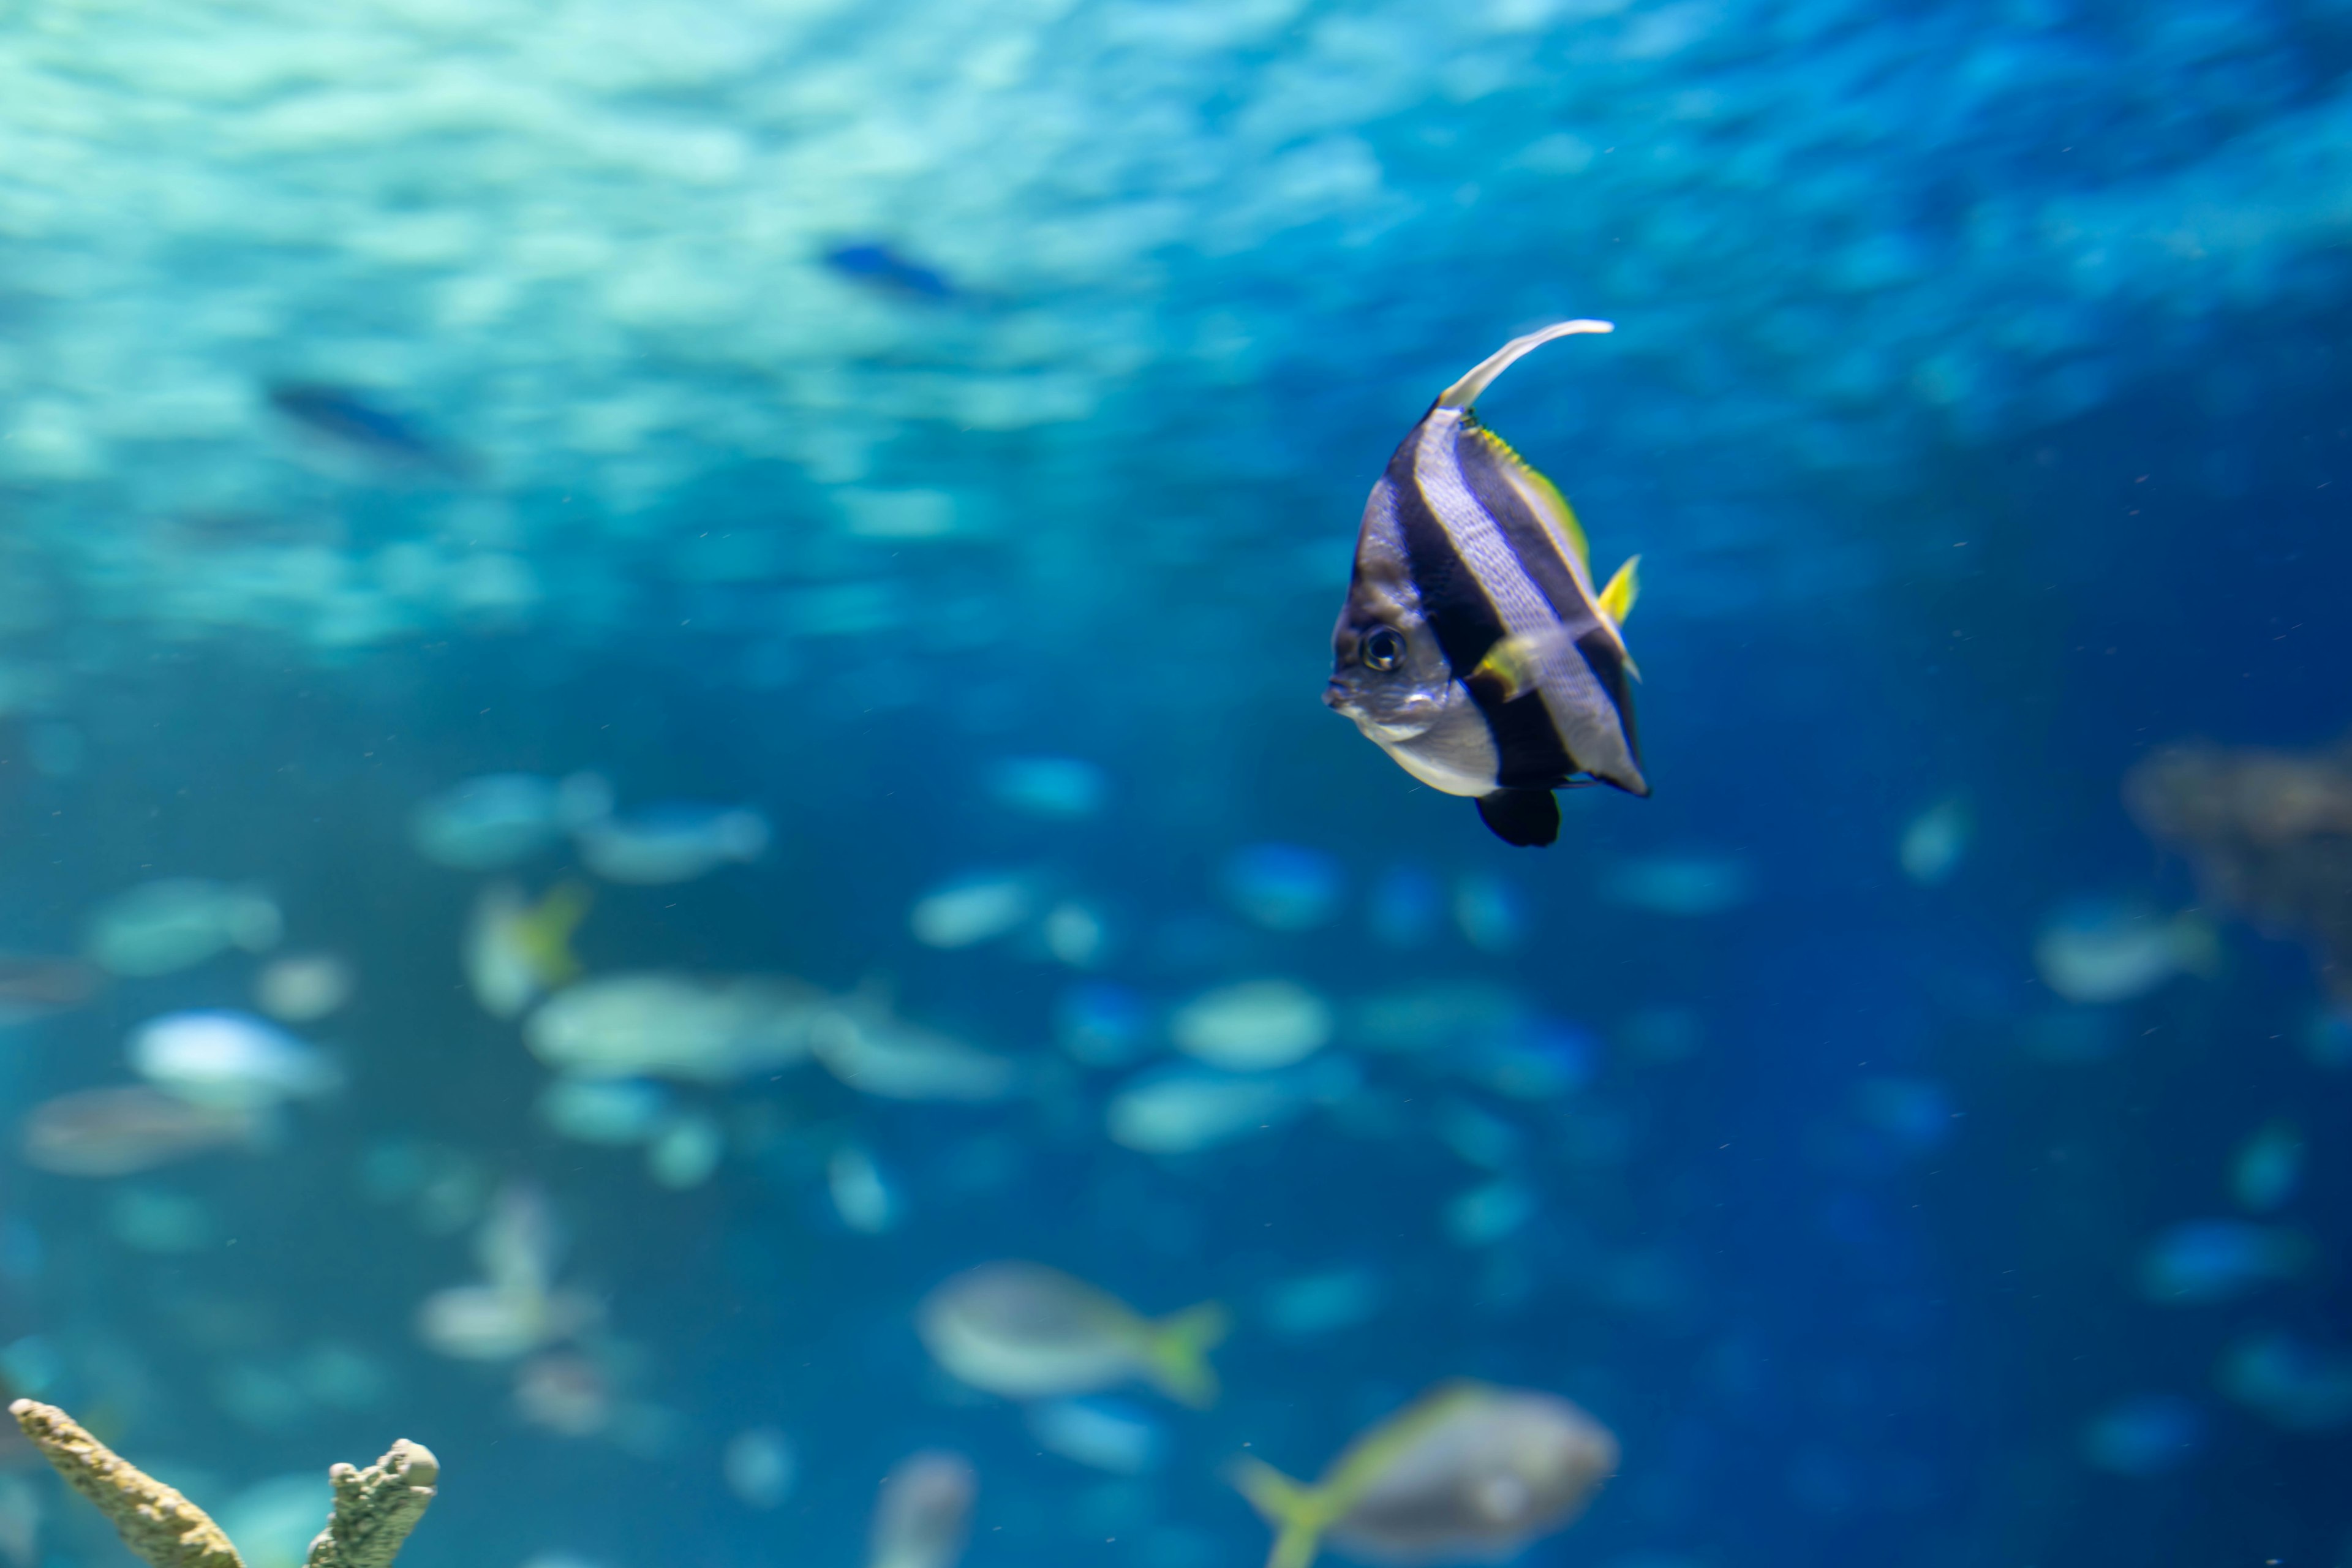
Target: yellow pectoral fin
<point x="545" y="933"/>
<point x="1617" y="599"/>
<point x="1511" y="665"/>
<point x="1179" y="1353"/>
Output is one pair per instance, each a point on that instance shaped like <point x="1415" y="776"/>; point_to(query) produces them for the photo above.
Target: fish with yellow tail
<point x="1027" y="1331"/>
<point x="518" y="951"/>
<point x="1467" y="1473"/>
<point x="1472" y="648"/>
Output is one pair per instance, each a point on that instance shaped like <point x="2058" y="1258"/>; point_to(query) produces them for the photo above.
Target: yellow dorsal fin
<point x="1543" y="498"/>
<point x="543" y="933"/>
<point x="1177" y="1353"/>
<point x="1617" y="599"/>
<point x="1463" y="393"/>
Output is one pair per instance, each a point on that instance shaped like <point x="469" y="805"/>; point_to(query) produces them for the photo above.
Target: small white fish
<point x="1487" y="1214"/>
<point x="1467" y="1473"/>
<point x="565" y="1393"/>
<point x="123" y="1130"/>
<point x="673" y="842"/>
<point x="2112" y="950"/>
<point x="516" y="1308"/>
<point x="1076" y="933"/>
<point x="229" y="1059"/>
<point x="1027" y="1331"/>
<point x="614" y="1112"/>
<point x="655" y="1023"/>
<point x="502" y="819"/>
<point x="160" y="927"/>
<point x="1934" y="842"/>
<point x="973" y="909"/>
<point x="687" y="1149"/>
<point x="1106" y="1435"/>
<point x="1048" y="787"/>
<point x="1182" y="1109"/>
<point x="515" y="952"/>
<point x="760" y="1466"/>
<point x="865" y="1045"/>
<point x="922" y="1516"/>
<point x="34" y="986"/>
<point x="301" y="988"/>
<point x="862" y="1195"/>
<point x="1254" y="1025"/>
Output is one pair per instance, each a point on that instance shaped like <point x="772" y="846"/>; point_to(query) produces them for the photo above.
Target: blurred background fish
<point x="654" y="683"/>
<point x="1028" y="1331"/>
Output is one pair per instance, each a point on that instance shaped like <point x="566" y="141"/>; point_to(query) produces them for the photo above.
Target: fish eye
<point x="1383" y="650"/>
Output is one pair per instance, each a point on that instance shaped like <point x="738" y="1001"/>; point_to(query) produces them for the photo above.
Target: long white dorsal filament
<point x="1463" y="393"/>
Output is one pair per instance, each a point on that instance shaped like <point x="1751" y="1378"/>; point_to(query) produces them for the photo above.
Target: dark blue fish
<point x="349" y="419"/>
<point x="879" y="267"/>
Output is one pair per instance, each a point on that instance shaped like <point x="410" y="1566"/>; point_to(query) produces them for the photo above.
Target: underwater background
<point x="810" y="533"/>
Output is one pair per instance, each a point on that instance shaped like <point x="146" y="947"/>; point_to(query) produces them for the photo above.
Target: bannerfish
<point x="1472" y="647"/>
<point x="1467" y="1473"/>
<point x="1027" y="1331"/>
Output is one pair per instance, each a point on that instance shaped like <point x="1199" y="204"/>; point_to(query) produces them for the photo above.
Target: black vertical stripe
<point x="1482" y="469"/>
<point x="1607" y="667"/>
<point x="1526" y="744"/>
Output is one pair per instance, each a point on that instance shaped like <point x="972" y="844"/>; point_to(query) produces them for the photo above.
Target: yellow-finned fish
<point x="1027" y="1331"/>
<point x="1472" y="648"/>
<point x="1467" y="1473"/>
<point x="516" y="950"/>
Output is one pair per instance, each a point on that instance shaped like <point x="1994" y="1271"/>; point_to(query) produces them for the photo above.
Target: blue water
<point x="1975" y="403"/>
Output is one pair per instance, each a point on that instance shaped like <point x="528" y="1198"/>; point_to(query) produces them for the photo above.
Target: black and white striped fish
<point x="1473" y="648"/>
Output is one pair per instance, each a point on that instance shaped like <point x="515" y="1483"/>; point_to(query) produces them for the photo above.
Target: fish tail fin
<point x="545" y="933"/>
<point x="1463" y="393"/>
<point x="1288" y="1505"/>
<point x="1179" y="1354"/>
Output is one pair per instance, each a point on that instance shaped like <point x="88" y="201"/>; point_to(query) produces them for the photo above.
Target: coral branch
<point x="376" y="1508"/>
<point x="154" y="1520"/>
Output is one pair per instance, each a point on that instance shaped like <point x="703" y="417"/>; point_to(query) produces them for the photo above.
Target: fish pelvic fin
<point x="1177" y="1356"/>
<point x="1525" y="818"/>
<point x="544" y="934"/>
<point x="1463" y="393"/>
<point x="1297" y="1511"/>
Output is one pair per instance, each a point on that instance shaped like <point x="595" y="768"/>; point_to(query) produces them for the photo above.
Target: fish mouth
<point x="1335" y="698"/>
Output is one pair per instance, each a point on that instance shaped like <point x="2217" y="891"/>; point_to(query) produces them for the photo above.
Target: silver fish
<point x="1472" y="648"/>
